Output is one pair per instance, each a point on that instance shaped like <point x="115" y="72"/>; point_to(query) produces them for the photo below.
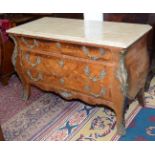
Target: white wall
<point x="93" y="16"/>
<point x="93" y="29"/>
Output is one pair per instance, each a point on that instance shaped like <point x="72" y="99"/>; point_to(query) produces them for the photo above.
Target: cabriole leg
<point x="120" y="124"/>
<point x="26" y="91"/>
<point x="140" y="97"/>
<point x="4" y="80"/>
<point x="120" y="116"/>
<point x="1" y="135"/>
<point x="26" y="88"/>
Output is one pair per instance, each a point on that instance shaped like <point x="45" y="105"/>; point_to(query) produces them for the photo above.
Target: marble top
<point x="94" y="32"/>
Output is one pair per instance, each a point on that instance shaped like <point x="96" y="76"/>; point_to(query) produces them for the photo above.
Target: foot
<point x="121" y="130"/>
<point x="4" y="81"/>
<point x="25" y="96"/>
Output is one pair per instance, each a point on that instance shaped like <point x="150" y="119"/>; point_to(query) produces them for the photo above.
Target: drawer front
<point x="61" y="71"/>
<point x="87" y="52"/>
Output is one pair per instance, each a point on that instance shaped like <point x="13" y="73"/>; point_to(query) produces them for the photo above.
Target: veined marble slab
<point x="93" y="32"/>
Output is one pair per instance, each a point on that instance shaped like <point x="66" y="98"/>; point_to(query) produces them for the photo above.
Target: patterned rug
<point x="142" y="127"/>
<point x="46" y="116"/>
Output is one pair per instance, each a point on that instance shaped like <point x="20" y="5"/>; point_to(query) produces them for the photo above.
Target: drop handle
<point x="87" y="53"/>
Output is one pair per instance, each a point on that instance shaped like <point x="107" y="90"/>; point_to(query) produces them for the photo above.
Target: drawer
<point x="80" y="75"/>
<point x="81" y="51"/>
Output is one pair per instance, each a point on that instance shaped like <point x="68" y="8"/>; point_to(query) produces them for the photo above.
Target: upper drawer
<point x="81" y="51"/>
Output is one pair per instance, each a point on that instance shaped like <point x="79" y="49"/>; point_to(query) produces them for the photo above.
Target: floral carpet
<point x="142" y="127"/>
<point x="46" y="116"/>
